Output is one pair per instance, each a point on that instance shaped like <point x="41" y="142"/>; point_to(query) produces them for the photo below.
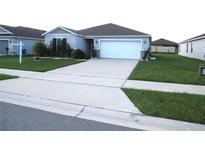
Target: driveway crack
<point x="80" y="111"/>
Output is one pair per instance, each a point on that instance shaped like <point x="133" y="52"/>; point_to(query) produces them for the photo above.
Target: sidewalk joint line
<point x="94" y="85"/>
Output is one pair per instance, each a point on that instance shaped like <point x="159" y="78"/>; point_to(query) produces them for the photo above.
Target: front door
<point x="3" y="46"/>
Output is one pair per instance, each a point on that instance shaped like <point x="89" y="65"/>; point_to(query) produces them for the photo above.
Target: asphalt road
<point x="18" y="118"/>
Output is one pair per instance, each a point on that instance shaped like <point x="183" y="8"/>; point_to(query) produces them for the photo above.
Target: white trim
<point x="4" y="33"/>
<point x="8" y="32"/>
<point x="61" y="34"/>
<point x="4" y="40"/>
<point x="19" y="37"/>
<point x="117" y="36"/>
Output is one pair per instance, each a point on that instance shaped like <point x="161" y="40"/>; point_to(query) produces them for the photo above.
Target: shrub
<point x="78" y="54"/>
<point x="24" y="51"/>
<point x="39" y="49"/>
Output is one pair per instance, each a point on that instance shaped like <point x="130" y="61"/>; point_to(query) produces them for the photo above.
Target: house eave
<point x="21" y="37"/>
<point x="117" y="36"/>
<point x="195" y="39"/>
<point x="7" y="32"/>
<point x="62" y="29"/>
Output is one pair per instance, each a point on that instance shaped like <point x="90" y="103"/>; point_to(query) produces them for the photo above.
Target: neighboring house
<point x="193" y="47"/>
<point x="163" y="45"/>
<point x="13" y="35"/>
<point x="108" y="41"/>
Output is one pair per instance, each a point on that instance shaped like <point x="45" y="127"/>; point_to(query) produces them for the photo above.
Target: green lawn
<point x="185" y="107"/>
<point x="169" y="68"/>
<point x="29" y="64"/>
<point x="4" y="77"/>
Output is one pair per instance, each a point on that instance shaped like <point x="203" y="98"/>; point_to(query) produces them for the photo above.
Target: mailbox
<point x="202" y="70"/>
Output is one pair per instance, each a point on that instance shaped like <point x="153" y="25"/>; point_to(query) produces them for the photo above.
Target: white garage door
<point x="120" y="49"/>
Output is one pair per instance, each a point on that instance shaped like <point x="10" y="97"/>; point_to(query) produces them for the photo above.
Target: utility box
<point x="202" y="70"/>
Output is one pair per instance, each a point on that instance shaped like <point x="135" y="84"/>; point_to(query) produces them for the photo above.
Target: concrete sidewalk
<point x="165" y="87"/>
<point x="19" y="73"/>
<point x="94" y="96"/>
<point x="127" y="119"/>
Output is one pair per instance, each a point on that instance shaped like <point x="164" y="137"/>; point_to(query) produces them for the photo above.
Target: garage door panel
<point x="120" y="49"/>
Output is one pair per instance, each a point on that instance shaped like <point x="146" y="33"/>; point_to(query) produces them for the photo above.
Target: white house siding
<point x="145" y="43"/>
<point x="163" y="49"/>
<point x="28" y="44"/>
<point x="198" y="49"/>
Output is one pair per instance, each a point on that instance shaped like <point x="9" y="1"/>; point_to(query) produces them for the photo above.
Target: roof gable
<point x="164" y="42"/>
<point x="20" y="31"/>
<point x="109" y="30"/>
<point x="58" y="31"/>
<point x="61" y="30"/>
<point x="4" y="31"/>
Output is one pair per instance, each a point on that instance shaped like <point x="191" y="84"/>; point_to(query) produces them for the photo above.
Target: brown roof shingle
<point x="24" y="31"/>
<point x="164" y="42"/>
<point x="108" y="30"/>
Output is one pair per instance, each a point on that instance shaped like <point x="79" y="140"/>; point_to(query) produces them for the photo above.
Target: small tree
<point x="39" y="49"/>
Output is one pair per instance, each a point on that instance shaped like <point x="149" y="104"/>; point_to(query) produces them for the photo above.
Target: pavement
<point x="118" y="118"/>
<point x="89" y="90"/>
<point x="103" y="68"/>
<point x="166" y="87"/>
<point x="19" y="118"/>
<point x="18" y="73"/>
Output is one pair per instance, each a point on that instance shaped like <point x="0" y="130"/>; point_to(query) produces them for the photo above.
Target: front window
<point x="59" y="43"/>
<point x="187" y="47"/>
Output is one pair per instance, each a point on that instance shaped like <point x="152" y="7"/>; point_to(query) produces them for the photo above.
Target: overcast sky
<point x="176" y="20"/>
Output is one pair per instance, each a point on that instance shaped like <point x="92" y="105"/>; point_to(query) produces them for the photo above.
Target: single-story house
<point x="163" y="45"/>
<point x="13" y="35"/>
<point x="108" y="41"/>
<point x="193" y="47"/>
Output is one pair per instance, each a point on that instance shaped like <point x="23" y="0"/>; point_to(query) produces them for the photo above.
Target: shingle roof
<point x="109" y="29"/>
<point x="164" y="42"/>
<point x="24" y="31"/>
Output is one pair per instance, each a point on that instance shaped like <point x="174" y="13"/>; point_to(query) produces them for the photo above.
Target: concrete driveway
<point x="104" y="68"/>
<point x="98" y="72"/>
<point x="95" y="83"/>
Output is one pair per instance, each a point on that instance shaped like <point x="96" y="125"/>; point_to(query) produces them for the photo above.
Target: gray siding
<point x="28" y="44"/>
<point x="59" y="31"/>
<point x="81" y="43"/>
<point x="75" y="42"/>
